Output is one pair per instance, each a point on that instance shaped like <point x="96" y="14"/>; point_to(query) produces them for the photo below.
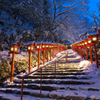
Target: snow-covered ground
<point x="85" y="91"/>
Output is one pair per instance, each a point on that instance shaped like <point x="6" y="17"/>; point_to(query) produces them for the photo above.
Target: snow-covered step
<point x="58" y="94"/>
<point x="46" y="87"/>
<point x="51" y="87"/>
<point x="26" y="91"/>
<point x="63" y="73"/>
<point x="90" y="88"/>
<point x="55" y="81"/>
<point x="60" y="69"/>
<point x="57" y="77"/>
<point x="75" y="95"/>
<point x="9" y="96"/>
<point x="72" y="82"/>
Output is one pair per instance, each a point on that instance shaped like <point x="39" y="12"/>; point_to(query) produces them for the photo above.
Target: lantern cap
<point x="15" y="43"/>
<point x="39" y="42"/>
<point x="45" y="42"/>
<point x="92" y="33"/>
<point x="30" y="43"/>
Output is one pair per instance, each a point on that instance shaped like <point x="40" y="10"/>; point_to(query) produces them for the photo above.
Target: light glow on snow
<point x="84" y="63"/>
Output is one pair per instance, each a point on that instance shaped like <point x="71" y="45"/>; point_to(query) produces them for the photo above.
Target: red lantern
<point x="30" y="48"/>
<point x="39" y="48"/>
<point x="13" y="50"/>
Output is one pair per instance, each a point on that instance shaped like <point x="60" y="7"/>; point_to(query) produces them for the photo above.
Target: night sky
<point x="93" y="5"/>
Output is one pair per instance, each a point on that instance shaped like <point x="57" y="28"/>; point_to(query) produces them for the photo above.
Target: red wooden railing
<point x="50" y="62"/>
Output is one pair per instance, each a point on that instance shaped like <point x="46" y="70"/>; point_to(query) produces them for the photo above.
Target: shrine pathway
<point x="77" y="79"/>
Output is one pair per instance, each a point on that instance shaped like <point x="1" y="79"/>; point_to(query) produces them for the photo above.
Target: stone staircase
<point x="71" y="83"/>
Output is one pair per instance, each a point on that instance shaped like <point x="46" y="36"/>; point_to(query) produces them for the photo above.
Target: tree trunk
<point x="17" y="20"/>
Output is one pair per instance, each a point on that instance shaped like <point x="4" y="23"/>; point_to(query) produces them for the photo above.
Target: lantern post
<point x="47" y="51"/>
<point x="83" y="49"/>
<point x="13" y="50"/>
<point x="39" y="48"/>
<point x="95" y="41"/>
<point x="44" y="48"/>
<point x="86" y="42"/>
<point x="90" y="44"/>
<point x="30" y="48"/>
<point x="52" y="50"/>
<point x="58" y="48"/>
<point x="49" y="44"/>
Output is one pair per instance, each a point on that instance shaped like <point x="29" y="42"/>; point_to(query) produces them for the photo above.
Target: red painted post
<point x="41" y="84"/>
<point x="50" y="54"/>
<point x="53" y="53"/>
<point x="47" y="55"/>
<point x="78" y="49"/>
<point x="12" y="67"/>
<point x="30" y="62"/>
<point x="90" y="54"/>
<point x="62" y="64"/>
<point x="58" y="48"/>
<point x="55" y="69"/>
<point x="86" y="53"/>
<point x="39" y="48"/>
<point x="38" y="58"/>
<point x="43" y="57"/>
<point x="81" y="51"/>
<point x="96" y="57"/>
<point x="66" y="56"/>
<point x="22" y="89"/>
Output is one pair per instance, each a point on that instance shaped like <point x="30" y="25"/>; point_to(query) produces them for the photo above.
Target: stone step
<point x="31" y="92"/>
<point x="75" y="61"/>
<point x="65" y="82"/>
<point x="90" y="88"/>
<point x="63" y="73"/>
<point x="46" y="87"/>
<point x="60" y="70"/>
<point x="55" y="81"/>
<point x="52" y="87"/>
<point x="35" y="86"/>
<point x="9" y="96"/>
<point x="69" y="69"/>
<point x="57" y="77"/>
<point x="58" y="94"/>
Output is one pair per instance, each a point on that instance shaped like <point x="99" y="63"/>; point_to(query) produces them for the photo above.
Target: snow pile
<point x="84" y="64"/>
<point x="75" y="95"/>
<point x="18" y="57"/>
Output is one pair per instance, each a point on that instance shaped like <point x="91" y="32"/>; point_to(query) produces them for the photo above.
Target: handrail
<point x="50" y="62"/>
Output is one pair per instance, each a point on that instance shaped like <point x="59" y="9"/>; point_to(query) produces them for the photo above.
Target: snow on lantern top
<point x="30" y="46"/>
<point x="14" y="47"/>
<point x="39" y="45"/>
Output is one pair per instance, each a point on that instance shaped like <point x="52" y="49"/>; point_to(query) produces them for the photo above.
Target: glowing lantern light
<point x="94" y="38"/>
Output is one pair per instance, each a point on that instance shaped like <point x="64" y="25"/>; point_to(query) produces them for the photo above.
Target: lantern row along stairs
<point x="32" y="46"/>
<point x="67" y="84"/>
<point x="92" y="39"/>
